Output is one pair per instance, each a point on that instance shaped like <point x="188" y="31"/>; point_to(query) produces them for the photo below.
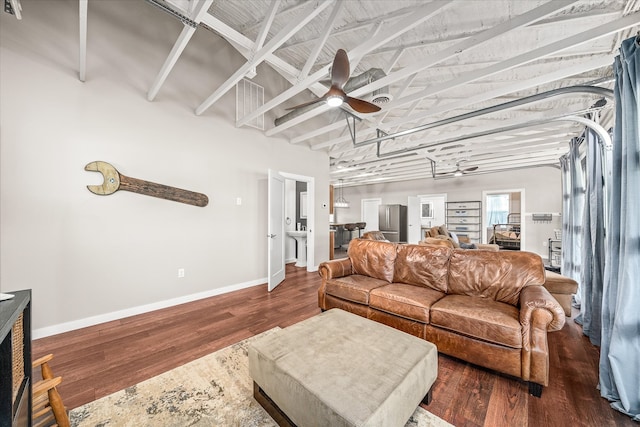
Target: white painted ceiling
<point x="442" y="60"/>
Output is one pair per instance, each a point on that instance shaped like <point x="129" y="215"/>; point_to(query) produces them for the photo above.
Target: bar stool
<point x="349" y="228"/>
<point x="360" y="226"/>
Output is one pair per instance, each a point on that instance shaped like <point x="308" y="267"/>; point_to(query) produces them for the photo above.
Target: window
<point x="497" y="209"/>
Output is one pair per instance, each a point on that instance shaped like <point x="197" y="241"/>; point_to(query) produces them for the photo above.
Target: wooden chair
<point x="48" y="409"/>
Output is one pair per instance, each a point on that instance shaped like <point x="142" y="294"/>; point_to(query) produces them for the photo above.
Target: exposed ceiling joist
<point x="82" y="54"/>
<point x="420" y="15"/>
<point x="458" y="48"/>
<point x="199" y="9"/>
<point x="309" y="13"/>
<point x="441" y="60"/>
<point x="481" y="97"/>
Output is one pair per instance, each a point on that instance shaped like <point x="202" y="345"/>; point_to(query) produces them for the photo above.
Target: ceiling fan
<point x="336" y="95"/>
<point x="458" y="171"/>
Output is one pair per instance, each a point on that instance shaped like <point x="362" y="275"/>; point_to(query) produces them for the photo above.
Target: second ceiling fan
<point x="336" y="95"/>
<point x="458" y="171"/>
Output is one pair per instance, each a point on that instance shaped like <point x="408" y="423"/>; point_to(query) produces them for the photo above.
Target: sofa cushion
<point x="495" y="275"/>
<point x="479" y="318"/>
<point x="412" y="302"/>
<point x="437" y="241"/>
<point x="559" y="284"/>
<point x="425" y="266"/>
<point x="373" y="258"/>
<point x="354" y="288"/>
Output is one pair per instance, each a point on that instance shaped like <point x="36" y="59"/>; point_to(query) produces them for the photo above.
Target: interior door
<point x="275" y="235"/>
<point x="369" y="213"/>
<point x="414" y="230"/>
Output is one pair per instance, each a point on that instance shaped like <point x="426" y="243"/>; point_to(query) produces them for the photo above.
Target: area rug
<point x="215" y="390"/>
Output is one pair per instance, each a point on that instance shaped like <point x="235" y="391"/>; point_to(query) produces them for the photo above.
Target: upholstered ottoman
<point x="340" y="369"/>
<point x="561" y="288"/>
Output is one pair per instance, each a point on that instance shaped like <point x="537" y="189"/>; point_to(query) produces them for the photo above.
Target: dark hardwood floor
<point x="105" y="358"/>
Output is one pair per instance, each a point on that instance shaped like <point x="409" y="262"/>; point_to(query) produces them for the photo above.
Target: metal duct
<point x="382" y="95"/>
<point x="363" y="79"/>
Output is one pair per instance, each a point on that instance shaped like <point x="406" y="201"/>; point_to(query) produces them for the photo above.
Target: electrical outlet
<point x="181" y="272"/>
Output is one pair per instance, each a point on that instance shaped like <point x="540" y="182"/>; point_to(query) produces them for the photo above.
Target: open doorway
<point x="295" y="214"/>
<point x="277" y="220"/>
<point x="502" y="218"/>
<point x="427" y="210"/>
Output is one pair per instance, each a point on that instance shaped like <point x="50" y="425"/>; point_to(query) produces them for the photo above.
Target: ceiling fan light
<point x="334" y="101"/>
<point x="457" y="173"/>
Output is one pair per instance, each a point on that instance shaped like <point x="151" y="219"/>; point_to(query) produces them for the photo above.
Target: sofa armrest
<point x="332" y="270"/>
<point x="540" y="313"/>
<point x="534" y="298"/>
<point x="335" y="268"/>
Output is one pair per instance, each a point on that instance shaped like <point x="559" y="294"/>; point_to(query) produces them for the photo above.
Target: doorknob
<point x="271" y="236"/>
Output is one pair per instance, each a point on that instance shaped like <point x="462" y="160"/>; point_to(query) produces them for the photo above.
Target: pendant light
<point x="340" y="202"/>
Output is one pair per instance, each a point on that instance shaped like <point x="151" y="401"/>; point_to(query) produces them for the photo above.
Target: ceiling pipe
<point x="164" y="6"/>
<point x="469" y="136"/>
<point x="607" y="93"/>
<point x="413" y="150"/>
<point x="605" y="138"/>
<point x="572" y="89"/>
<point x="352" y="84"/>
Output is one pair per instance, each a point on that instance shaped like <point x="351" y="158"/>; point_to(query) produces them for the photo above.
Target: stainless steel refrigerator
<point x="392" y="221"/>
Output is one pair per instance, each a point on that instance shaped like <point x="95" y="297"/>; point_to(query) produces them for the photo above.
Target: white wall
<point x="543" y="193"/>
<point x="88" y="257"/>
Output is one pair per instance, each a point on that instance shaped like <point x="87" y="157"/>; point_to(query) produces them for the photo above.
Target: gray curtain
<point x="572" y="213"/>
<point x="593" y="254"/>
<point x="620" y="349"/>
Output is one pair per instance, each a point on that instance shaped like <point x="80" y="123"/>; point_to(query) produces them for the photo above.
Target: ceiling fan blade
<point x="471" y="169"/>
<point x="340" y="69"/>
<point x="315" y="101"/>
<point x="361" y="106"/>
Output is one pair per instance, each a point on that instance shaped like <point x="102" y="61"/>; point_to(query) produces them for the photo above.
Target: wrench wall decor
<point x="114" y="181"/>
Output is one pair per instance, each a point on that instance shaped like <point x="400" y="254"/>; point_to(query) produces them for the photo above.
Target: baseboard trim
<point x="120" y="314"/>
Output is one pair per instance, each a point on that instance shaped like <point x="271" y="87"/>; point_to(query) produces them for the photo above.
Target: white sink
<point x="301" y="241"/>
<point x="295" y="234"/>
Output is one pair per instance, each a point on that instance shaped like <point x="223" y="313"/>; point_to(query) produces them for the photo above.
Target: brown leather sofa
<point x="374" y="235"/>
<point x="487" y="308"/>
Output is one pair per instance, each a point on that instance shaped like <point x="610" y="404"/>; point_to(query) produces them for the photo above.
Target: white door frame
<point x="522" y="211"/>
<point x="436" y="195"/>
<point x="311" y="215"/>
<point x="362" y="202"/>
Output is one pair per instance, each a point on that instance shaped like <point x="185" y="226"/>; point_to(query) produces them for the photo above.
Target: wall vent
<point x="249" y="97"/>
